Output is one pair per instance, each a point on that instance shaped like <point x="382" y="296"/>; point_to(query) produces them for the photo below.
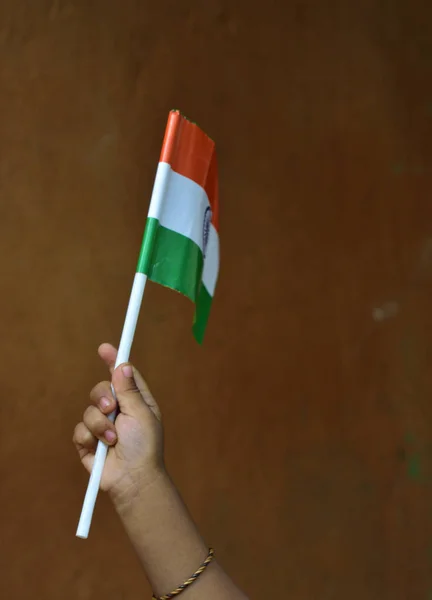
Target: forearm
<point x="168" y="543"/>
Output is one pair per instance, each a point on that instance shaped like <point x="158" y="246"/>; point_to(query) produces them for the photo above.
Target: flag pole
<point x="129" y="327"/>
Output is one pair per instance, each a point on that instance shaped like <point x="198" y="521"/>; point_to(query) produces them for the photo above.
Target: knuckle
<point x="88" y="414"/>
<point x="100" y="389"/>
<point x="132" y="388"/>
<point x="89" y="440"/>
<point x="94" y="420"/>
<point x="76" y="433"/>
<point x="79" y="433"/>
<point x="92" y="417"/>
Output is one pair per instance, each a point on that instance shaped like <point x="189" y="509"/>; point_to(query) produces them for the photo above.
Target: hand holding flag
<point x="180" y="249"/>
<point x="135" y="454"/>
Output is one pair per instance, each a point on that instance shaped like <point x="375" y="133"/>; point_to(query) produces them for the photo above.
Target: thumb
<point x="127" y="391"/>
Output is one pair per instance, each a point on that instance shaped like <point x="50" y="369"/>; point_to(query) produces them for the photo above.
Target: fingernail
<point x="127" y="371"/>
<point x="110" y="436"/>
<point x="104" y="403"/>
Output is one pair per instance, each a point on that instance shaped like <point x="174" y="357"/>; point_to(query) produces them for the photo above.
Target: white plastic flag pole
<point x="101" y="450"/>
<point x="159" y="189"/>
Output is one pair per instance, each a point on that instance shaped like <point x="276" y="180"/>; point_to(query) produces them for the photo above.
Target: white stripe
<point x="179" y="203"/>
<point x="159" y="189"/>
<point x="211" y="261"/>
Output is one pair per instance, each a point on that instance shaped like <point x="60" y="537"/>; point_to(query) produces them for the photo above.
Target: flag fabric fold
<point x="180" y="248"/>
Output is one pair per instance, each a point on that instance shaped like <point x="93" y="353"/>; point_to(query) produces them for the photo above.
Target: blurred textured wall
<point x="300" y="434"/>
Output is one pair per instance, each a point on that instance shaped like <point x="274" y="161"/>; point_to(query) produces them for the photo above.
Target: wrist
<point x="131" y="491"/>
<point x="161" y="530"/>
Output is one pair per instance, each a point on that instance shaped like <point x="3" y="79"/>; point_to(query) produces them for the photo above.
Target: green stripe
<point x="202" y="311"/>
<point x="147" y="246"/>
<point x="175" y="261"/>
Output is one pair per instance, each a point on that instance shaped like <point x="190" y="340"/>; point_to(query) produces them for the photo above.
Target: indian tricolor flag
<point x="180" y="248"/>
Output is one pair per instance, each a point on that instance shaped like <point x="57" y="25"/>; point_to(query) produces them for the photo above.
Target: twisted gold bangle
<point x="190" y="581"/>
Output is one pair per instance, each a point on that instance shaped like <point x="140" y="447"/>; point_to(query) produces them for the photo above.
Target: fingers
<point x="99" y="425"/>
<point x="108" y="354"/>
<point x="132" y="392"/>
<point x="101" y="396"/>
<point x="146" y="394"/>
<point x="131" y="385"/>
<point x="83" y="438"/>
<point x="95" y="424"/>
<point x="127" y="392"/>
<point x="85" y="442"/>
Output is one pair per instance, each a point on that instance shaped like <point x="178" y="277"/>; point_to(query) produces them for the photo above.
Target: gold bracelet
<point x="190" y="581"/>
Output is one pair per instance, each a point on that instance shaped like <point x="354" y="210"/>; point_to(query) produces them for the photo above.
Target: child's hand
<point x="135" y="455"/>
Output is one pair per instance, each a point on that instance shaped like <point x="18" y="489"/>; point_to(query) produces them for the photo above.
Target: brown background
<point x="300" y="434"/>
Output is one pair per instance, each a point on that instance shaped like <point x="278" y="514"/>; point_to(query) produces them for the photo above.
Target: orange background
<point x="300" y="434"/>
